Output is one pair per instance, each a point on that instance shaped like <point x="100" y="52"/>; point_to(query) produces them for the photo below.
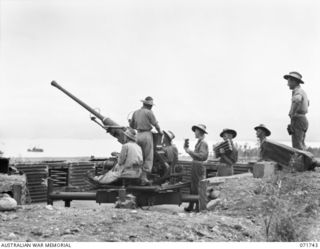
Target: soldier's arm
<point x="154" y="121"/>
<point x="234" y="155"/>
<point x="131" y="122"/>
<point x="175" y="155"/>
<point x="193" y="154"/>
<point x="202" y="155"/>
<point x="123" y="155"/>
<point x="158" y="128"/>
<point x="296" y="102"/>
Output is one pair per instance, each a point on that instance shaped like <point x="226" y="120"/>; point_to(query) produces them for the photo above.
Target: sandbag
<point x="7" y="203"/>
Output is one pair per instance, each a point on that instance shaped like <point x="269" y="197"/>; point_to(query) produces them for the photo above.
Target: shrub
<point x="279" y="217"/>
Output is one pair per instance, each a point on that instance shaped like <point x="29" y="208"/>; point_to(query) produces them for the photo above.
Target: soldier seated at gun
<point x="227" y="153"/>
<point x="129" y="162"/>
<point x="171" y="152"/>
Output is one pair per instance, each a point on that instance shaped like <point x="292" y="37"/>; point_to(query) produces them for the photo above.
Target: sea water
<point x="89" y="147"/>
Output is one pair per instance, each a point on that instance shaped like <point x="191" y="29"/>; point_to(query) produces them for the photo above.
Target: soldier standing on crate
<point x="143" y="120"/>
<point x="299" y="108"/>
<point x="199" y="155"/>
<point x="228" y="155"/>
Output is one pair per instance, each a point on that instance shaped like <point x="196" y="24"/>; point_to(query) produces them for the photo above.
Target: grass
<point x="286" y="202"/>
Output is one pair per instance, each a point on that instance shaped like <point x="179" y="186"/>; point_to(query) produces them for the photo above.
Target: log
<point x="288" y="157"/>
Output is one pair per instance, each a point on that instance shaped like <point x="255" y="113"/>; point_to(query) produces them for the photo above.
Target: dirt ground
<point x="284" y="208"/>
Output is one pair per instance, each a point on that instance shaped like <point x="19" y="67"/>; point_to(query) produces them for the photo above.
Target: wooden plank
<point x="80" y="171"/>
<point x="35" y="187"/>
<point x="58" y="172"/>
<point x="72" y="174"/>
<point x="34" y="184"/>
<point x="39" y="198"/>
<point x="38" y="192"/>
<point x="36" y="176"/>
<point x="30" y="173"/>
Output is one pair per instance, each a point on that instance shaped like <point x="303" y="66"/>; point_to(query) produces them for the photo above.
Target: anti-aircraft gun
<point x="160" y="166"/>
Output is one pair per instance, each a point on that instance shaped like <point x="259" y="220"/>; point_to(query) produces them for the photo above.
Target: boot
<point x="197" y="210"/>
<point x="144" y="179"/>
<point x="189" y="208"/>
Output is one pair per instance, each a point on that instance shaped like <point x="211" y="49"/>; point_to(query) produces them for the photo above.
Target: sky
<point x="220" y="63"/>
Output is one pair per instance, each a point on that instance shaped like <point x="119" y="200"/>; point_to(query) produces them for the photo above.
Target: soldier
<point x="299" y="108"/>
<point x="143" y="120"/>
<point x="262" y="133"/>
<point x="199" y="155"/>
<point x="227" y="157"/>
<point x="171" y="151"/>
<point x="129" y="161"/>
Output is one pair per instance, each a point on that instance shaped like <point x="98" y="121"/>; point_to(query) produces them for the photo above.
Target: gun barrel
<point x="117" y="133"/>
<point x="95" y="113"/>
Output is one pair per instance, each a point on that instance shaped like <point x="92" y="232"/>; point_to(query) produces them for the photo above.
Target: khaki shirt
<point x="231" y="155"/>
<point x="131" y="154"/>
<point x="299" y="96"/>
<point x="143" y="120"/>
<point x="261" y="149"/>
<point x="171" y="153"/>
<point x="201" y="151"/>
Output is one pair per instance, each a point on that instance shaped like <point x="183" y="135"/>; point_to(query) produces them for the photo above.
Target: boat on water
<point x="35" y="149"/>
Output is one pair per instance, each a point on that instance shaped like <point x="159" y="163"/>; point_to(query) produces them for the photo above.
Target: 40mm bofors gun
<point x="160" y="165"/>
<point x="105" y="193"/>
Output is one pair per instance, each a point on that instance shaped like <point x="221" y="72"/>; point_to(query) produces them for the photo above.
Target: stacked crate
<point x="36" y="180"/>
<point x="211" y="168"/>
<point x="241" y="168"/>
<point x="59" y="173"/>
<point x="186" y="170"/>
<point x="74" y="175"/>
<point x="78" y="174"/>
